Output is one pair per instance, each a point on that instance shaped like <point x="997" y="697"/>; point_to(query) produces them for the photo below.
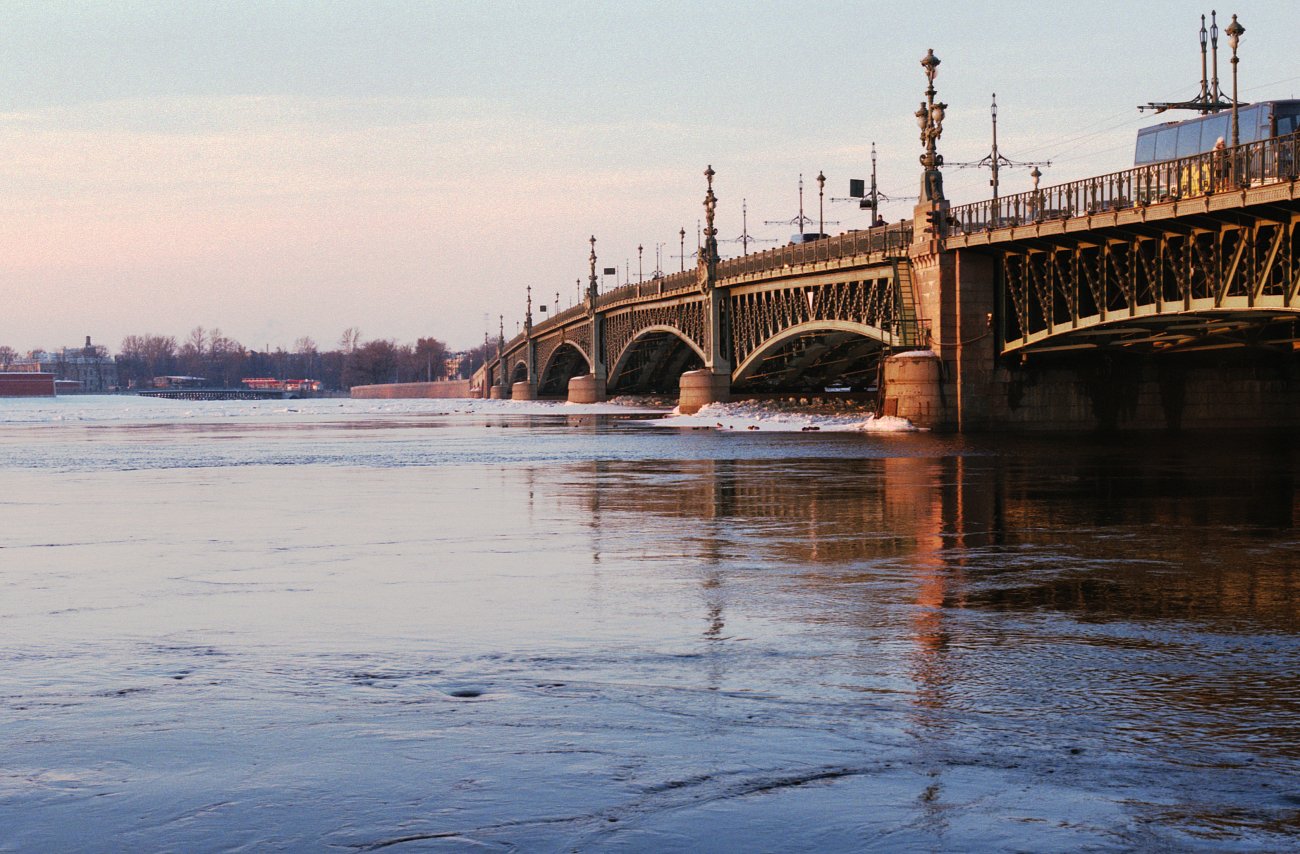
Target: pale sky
<point x="280" y="169"/>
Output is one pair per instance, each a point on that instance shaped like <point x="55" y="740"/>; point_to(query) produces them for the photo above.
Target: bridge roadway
<point x="1161" y="296"/>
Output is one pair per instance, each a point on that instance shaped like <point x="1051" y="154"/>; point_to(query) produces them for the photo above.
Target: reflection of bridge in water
<point x="1139" y="532"/>
<point x="1161" y="296"/>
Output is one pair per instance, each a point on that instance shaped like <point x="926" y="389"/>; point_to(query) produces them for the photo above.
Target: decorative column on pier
<point x="711" y="384"/>
<point x="590" y="388"/>
<point x="527" y="389"/>
<point x="501" y="388"/>
<point x="914" y="379"/>
<point x="946" y="385"/>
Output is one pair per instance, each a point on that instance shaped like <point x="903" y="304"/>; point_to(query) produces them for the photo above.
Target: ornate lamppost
<point x="1038" y="199"/>
<point x="592" y="289"/>
<point x="528" y="311"/>
<point x="709" y="255"/>
<point x="1234" y="32"/>
<point x="682" y="251"/>
<point x="821" y="203"/>
<point x="640" y="276"/>
<point x="930" y="118"/>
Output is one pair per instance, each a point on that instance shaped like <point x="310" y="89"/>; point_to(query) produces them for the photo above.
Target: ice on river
<point x="441" y="625"/>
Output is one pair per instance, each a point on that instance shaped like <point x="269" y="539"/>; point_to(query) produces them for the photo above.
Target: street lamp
<point x="821" y="203"/>
<point x="930" y="118"/>
<point x="1235" y="32"/>
<point x="640" y="277"/>
<point x="593" y="290"/>
<point x="682" y="256"/>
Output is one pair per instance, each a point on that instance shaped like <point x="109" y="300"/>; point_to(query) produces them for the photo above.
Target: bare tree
<point x="350" y="340"/>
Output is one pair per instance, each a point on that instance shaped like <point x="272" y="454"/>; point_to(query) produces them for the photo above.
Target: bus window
<point x="1213" y="129"/>
<point x="1146" y="149"/>
<point x="1167" y="144"/>
<point x="1189" y="139"/>
<point x="1288" y="118"/>
<point x="1263" y="122"/>
<point x="1248" y="123"/>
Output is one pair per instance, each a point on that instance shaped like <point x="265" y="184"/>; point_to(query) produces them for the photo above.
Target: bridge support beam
<point x="523" y="391"/>
<point x="499" y="392"/>
<point x="588" y="388"/>
<point x="956" y="294"/>
<point x="700" y="388"/>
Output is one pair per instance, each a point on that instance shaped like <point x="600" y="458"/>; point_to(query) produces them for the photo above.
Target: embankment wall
<point x="442" y="389"/>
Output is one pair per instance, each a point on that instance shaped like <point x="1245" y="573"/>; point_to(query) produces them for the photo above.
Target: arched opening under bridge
<point x="654" y="362"/>
<point x="565" y="363"/>
<point x="520" y="373"/>
<point x="813" y="357"/>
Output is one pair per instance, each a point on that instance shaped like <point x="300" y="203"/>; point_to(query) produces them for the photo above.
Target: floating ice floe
<point x="786" y="417"/>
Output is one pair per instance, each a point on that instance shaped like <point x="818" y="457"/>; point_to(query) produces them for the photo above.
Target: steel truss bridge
<point x="795" y="317"/>
<point x="1189" y="255"/>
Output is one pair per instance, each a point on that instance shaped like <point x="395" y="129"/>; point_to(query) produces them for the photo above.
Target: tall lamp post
<point x="1235" y="31"/>
<point x="821" y="203"/>
<point x="683" y="249"/>
<point x="930" y="118"/>
<point x="640" y="276"/>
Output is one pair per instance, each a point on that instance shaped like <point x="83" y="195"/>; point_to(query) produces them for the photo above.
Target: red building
<point x="26" y="384"/>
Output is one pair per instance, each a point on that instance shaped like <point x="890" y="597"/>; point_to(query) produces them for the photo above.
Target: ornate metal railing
<point x="889" y="240"/>
<point x="1255" y="164"/>
<point x="651" y="287"/>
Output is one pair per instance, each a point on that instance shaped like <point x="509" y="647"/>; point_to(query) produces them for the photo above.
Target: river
<point x="440" y="625"/>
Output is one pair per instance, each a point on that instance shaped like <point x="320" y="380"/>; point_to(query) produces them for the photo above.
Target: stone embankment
<point x="393" y="391"/>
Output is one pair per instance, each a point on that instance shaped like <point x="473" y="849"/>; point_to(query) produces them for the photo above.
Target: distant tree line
<point x="223" y="361"/>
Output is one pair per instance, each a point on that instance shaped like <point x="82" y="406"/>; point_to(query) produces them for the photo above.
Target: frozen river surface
<point x="412" y="626"/>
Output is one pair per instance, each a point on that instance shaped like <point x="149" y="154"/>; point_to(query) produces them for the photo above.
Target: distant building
<point x="26" y="384"/>
<point x="84" y="369"/>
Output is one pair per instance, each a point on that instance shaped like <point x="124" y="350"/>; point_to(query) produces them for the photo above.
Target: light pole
<point x="930" y="118"/>
<point x="821" y="203"/>
<point x="593" y="289"/>
<point x="640" y="276"/>
<point x="744" y="225"/>
<point x="1235" y="31"/>
<point x="1038" y="207"/>
<point x="801" y="223"/>
<point x="683" y="249"/>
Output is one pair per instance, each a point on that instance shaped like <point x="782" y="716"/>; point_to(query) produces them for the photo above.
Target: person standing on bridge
<point x="1219" y="165"/>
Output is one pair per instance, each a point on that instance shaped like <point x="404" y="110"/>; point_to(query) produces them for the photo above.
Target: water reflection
<point x="1137" y="601"/>
<point x="1118" y="538"/>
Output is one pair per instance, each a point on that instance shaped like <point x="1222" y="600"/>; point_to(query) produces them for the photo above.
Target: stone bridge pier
<point x="947" y="385"/>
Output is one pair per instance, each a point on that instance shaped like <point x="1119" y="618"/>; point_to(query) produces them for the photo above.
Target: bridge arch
<point x="519" y="374"/>
<point x="654" y="360"/>
<point x="564" y="363"/>
<point x="813" y="355"/>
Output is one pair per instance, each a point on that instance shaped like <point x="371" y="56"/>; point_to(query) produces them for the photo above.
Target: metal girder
<point x="1244" y="265"/>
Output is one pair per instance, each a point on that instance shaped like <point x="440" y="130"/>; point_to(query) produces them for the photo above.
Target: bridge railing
<point x="650" y="287"/>
<point x="888" y="239"/>
<point x="1254" y="164"/>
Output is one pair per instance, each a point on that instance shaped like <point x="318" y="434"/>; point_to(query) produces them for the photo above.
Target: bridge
<point x="1161" y="296"/>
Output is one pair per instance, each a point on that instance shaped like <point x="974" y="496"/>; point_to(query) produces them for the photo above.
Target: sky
<point x="285" y="168"/>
